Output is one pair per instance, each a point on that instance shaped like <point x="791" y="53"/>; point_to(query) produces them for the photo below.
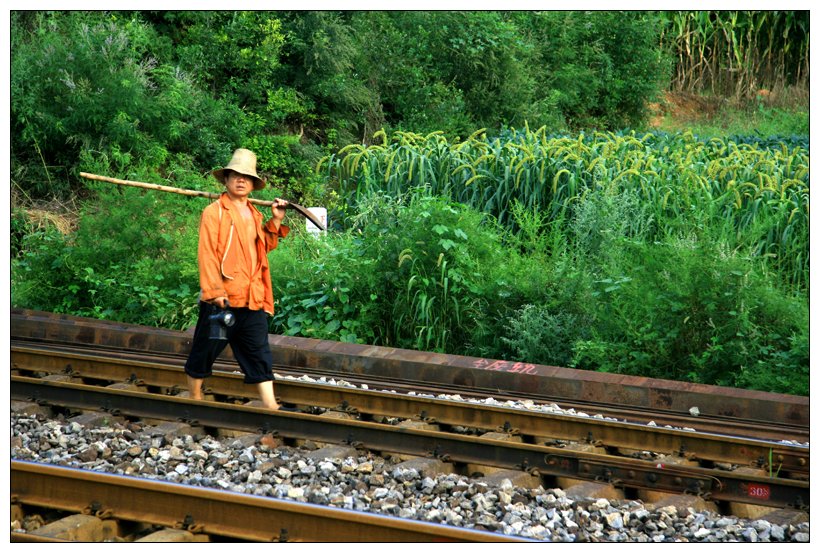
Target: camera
<point x="219" y="321"/>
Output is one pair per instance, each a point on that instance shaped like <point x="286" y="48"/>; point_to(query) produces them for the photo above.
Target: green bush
<point x="691" y="310"/>
<point x="403" y="260"/>
<point x="599" y="68"/>
<point x="429" y="254"/>
<point x="90" y="83"/>
<point x="535" y="335"/>
<point x="132" y="259"/>
<point x="21" y="228"/>
<point x="324" y="288"/>
<point x="234" y="53"/>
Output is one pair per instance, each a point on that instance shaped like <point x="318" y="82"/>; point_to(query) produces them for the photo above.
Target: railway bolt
<point x="524" y="466"/>
<point x="508" y="429"/>
<point x="69" y="371"/>
<point x="133" y="379"/>
<point x="96" y="509"/>
<point x="345" y="407"/>
<point x="424" y="417"/>
<point x="437" y="453"/>
<point x="188" y="524"/>
<point x="351" y="440"/>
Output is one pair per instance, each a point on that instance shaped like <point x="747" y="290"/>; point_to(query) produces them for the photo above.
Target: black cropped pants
<point x="248" y="338"/>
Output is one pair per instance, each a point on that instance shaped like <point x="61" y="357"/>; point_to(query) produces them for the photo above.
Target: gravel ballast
<point x="251" y="464"/>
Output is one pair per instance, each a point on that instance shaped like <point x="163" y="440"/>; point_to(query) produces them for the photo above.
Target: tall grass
<point x="756" y="194"/>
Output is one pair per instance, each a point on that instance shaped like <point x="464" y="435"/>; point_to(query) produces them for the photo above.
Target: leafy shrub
<point x="606" y="215"/>
<point x="89" y="82"/>
<point x="784" y="371"/>
<point x="599" y="68"/>
<point x="21" y="228"/>
<point x="234" y="53"/>
<point x="429" y="254"/>
<point x="132" y="259"/>
<point x="324" y="288"/>
<point x="536" y="335"/>
<point x="691" y="310"/>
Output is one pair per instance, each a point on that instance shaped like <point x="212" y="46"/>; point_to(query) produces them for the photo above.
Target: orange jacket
<point x="221" y="259"/>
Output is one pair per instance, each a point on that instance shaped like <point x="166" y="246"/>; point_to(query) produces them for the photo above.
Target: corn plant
<point x="737" y="53"/>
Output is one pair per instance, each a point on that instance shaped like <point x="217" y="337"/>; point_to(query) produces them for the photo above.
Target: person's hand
<point x="221" y="302"/>
<point x="278" y="209"/>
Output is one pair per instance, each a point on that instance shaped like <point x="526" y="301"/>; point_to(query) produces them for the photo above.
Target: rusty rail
<point x="214" y="512"/>
<point x="351" y="361"/>
<point x="540" y="426"/>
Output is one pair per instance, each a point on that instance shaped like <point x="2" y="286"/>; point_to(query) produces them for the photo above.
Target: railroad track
<point x="536" y="427"/>
<point x="212" y="514"/>
<point x="543" y="444"/>
<point x="734" y="411"/>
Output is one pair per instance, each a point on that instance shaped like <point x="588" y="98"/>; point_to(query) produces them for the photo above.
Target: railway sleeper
<point x="30" y="523"/>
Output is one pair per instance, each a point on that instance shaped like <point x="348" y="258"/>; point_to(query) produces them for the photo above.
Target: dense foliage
<point x="755" y="196"/>
<point x="454" y="227"/>
<point x="155" y="89"/>
<point x="737" y="54"/>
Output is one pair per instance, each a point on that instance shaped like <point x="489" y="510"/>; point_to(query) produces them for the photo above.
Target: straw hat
<point x="244" y="162"/>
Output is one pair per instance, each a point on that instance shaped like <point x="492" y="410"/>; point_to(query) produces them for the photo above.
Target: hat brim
<point x="258" y="184"/>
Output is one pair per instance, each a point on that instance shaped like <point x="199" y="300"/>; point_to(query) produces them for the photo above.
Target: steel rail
<point x="25" y="537"/>
<point x="536" y="425"/>
<point x="719" y="485"/>
<point x="221" y="513"/>
<point x="351" y="361"/>
<point x="714" y="424"/>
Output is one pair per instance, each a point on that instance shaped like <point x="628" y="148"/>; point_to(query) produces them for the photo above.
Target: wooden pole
<point x="212" y="195"/>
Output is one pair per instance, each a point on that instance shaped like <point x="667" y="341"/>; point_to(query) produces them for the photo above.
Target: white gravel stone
<point x="777" y="533"/>
<point x="615" y="520"/>
<point x="801" y="537"/>
<point x="198" y="455"/>
<point x="369" y="483"/>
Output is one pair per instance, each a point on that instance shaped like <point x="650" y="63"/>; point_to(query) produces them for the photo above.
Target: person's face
<point x="238" y="185"/>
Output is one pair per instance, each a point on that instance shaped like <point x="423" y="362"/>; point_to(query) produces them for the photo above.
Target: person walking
<point x="234" y="277"/>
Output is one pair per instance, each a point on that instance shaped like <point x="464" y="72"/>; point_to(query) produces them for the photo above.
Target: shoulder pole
<point x="185" y="192"/>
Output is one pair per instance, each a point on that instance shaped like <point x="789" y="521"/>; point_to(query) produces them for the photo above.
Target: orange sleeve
<point x="210" y="275"/>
